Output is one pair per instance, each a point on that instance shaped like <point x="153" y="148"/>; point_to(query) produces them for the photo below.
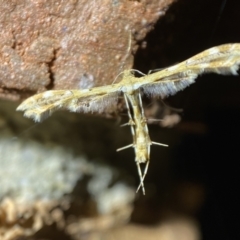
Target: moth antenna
<point x="123" y="148"/>
<point x="117" y="77"/>
<point x="128" y="51"/>
<point x="125" y="57"/>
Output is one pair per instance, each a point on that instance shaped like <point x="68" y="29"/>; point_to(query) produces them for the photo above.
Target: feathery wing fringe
<point x="41" y="106"/>
<point x="224" y="59"/>
<point x="168" y="87"/>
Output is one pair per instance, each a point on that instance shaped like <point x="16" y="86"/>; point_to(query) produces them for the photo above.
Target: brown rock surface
<point x="69" y="44"/>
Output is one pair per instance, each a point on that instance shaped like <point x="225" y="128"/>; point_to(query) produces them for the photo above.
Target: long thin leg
<point x="149" y="142"/>
<point x="134" y="138"/>
<point x="122" y="148"/>
<point x="141" y="178"/>
<point x="147" y="164"/>
<point x="141" y="105"/>
<point x="131" y="122"/>
<point x="143" y="116"/>
<point x="160" y="144"/>
<point x="144" y="129"/>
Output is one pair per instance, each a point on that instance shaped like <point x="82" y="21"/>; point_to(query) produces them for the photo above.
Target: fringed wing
<point x="224" y="59"/>
<point x="41" y="106"/>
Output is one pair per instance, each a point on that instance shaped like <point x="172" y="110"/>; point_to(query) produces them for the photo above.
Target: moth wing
<point x="224" y="59"/>
<point x="42" y="105"/>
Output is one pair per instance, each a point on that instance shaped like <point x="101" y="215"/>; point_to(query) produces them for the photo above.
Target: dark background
<point x="207" y="155"/>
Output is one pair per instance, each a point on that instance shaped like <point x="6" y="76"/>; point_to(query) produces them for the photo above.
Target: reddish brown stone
<point x="69" y="44"/>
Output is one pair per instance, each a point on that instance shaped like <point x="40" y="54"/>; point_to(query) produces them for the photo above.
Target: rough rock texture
<point x="69" y="44"/>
